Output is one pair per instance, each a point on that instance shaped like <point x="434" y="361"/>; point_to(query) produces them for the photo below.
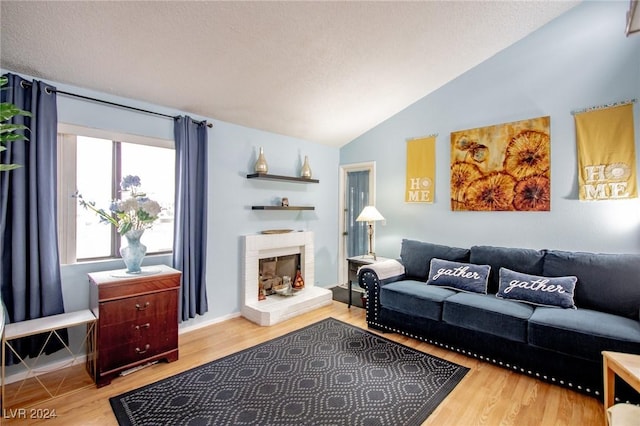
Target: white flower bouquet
<point x="134" y="213"/>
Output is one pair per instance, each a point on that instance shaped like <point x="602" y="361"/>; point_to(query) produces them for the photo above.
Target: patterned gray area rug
<point x="328" y="373"/>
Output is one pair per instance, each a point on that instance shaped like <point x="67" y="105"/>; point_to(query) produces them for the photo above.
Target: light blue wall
<point x="579" y="60"/>
<point x="232" y="153"/>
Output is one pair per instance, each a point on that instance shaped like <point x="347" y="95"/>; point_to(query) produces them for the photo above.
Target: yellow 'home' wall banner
<point x="606" y="154"/>
<point x="421" y="167"/>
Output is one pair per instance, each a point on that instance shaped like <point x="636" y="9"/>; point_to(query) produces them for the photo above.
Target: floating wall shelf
<point x="282" y="208"/>
<point x="266" y="176"/>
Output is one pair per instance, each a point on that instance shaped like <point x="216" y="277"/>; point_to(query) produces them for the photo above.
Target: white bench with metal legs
<point x="51" y="325"/>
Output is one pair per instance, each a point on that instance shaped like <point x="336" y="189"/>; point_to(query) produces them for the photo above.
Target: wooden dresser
<point x="137" y="319"/>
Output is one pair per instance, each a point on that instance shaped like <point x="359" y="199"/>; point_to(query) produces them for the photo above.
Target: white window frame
<point x="67" y="179"/>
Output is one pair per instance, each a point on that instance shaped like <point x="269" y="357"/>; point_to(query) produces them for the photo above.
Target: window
<point x="93" y="163"/>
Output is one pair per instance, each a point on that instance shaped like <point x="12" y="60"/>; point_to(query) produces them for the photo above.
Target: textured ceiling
<point x="320" y="71"/>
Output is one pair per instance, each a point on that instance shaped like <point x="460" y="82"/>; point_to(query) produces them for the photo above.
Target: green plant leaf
<point x="12" y="137"/>
<point x="6" y="127"/>
<point x="7" y="111"/>
<point x="7" y="167"/>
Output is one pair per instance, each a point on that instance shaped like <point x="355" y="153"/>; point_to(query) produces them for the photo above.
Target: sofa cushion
<point x="606" y="282"/>
<point x="416" y="255"/>
<point x="414" y="298"/>
<point x="527" y="261"/>
<point x="459" y="276"/>
<point x="486" y="313"/>
<point x="537" y="290"/>
<point x="583" y="332"/>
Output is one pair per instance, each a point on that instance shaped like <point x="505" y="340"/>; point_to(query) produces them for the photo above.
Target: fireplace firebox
<point x="277" y="275"/>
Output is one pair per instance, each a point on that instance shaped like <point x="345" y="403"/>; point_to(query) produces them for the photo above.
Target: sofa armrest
<point x="371" y="282"/>
<point x="391" y="269"/>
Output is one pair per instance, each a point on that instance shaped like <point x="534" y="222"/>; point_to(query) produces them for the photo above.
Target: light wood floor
<point x="488" y="395"/>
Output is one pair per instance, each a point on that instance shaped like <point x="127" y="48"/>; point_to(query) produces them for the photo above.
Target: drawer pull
<point x="142" y="308"/>
<point x="146" y="348"/>
<point x="147" y="325"/>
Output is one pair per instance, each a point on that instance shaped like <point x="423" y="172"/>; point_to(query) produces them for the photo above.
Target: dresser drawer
<point x="134" y="331"/>
<point x="135" y="287"/>
<point x="142" y="309"/>
<point x="131" y="352"/>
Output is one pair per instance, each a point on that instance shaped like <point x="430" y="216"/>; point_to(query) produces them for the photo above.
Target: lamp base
<point x="371" y="240"/>
<point x="370" y="254"/>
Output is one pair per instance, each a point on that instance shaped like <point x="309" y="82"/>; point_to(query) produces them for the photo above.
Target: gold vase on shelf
<point x="261" y="163"/>
<point x="306" y="169"/>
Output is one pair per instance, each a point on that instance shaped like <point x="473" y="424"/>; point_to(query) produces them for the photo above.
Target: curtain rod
<point x="613" y="104"/>
<point x="75" y="95"/>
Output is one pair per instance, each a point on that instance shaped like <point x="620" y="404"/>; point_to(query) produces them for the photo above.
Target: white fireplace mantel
<point x="277" y="308"/>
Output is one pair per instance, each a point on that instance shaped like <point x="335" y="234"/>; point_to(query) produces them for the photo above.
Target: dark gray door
<point x="357" y="197"/>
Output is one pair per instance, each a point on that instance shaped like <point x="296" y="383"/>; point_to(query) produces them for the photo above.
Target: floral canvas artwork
<point x="505" y="167"/>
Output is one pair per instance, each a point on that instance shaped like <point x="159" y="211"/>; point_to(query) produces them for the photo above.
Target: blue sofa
<point x="558" y="345"/>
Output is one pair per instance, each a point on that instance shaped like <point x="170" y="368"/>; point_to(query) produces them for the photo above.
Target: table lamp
<point x="369" y="214"/>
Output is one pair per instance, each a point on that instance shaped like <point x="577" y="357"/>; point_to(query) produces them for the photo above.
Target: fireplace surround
<point x="276" y="308"/>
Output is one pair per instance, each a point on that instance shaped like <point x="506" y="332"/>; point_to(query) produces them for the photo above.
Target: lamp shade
<point x="633" y="18"/>
<point x="369" y="214"/>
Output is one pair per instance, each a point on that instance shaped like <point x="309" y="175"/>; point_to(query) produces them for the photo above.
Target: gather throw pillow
<point x="459" y="276"/>
<point x="536" y="290"/>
